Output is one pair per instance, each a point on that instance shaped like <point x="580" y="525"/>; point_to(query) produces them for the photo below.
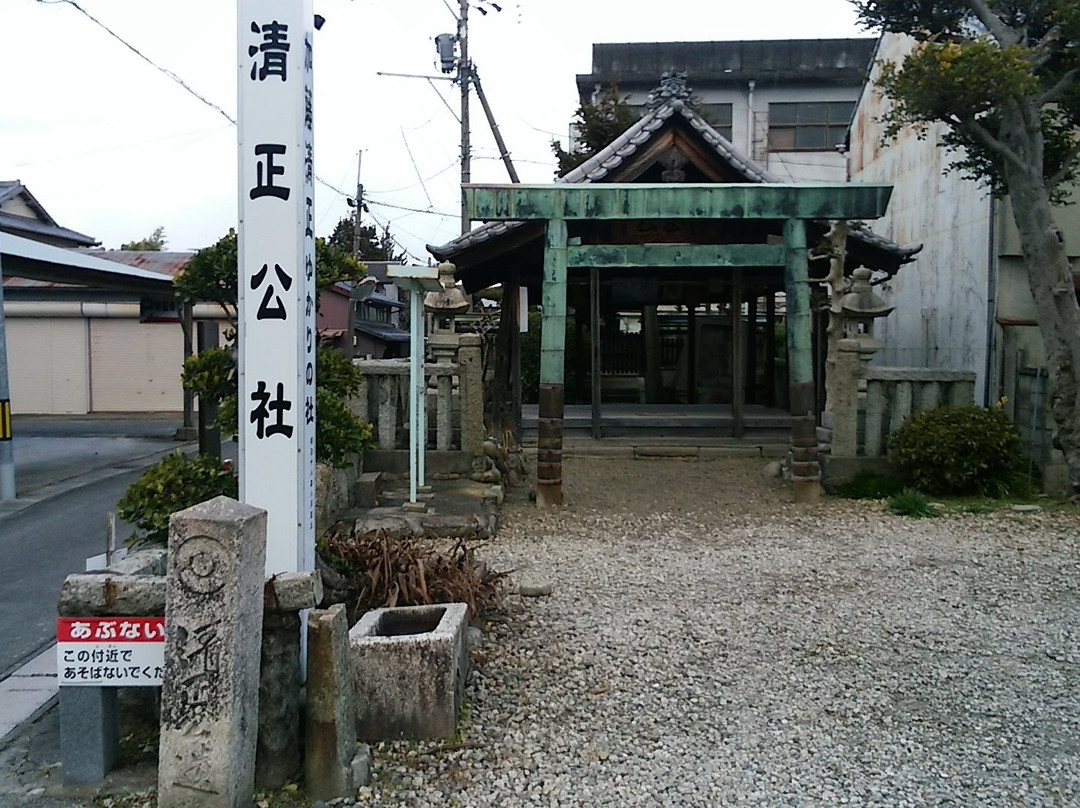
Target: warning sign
<point x="110" y="651"/>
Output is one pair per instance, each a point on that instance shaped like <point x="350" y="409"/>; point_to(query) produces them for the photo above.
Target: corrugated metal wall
<point x="47" y="365"/>
<point x="135" y="367"/>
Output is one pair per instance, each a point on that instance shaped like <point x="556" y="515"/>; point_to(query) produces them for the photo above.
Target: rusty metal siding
<point x="941" y="299"/>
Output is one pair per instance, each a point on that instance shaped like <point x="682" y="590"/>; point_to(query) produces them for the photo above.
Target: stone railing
<point x="863" y="421"/>
<point x="455" y="401"/>
<point x="895" y="394"/>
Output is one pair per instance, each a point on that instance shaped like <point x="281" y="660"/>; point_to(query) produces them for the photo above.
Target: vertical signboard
<point x="277" y="275"/>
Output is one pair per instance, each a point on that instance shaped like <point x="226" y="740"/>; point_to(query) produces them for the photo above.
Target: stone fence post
<point x="472" y="395"/>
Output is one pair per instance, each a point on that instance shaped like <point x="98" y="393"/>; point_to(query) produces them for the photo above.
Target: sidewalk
<point x="27" y="693"/>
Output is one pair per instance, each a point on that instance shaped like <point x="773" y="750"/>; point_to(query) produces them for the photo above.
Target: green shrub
<point x="911" y="503"/>
<point x="336" y="372"/>
<point x="177" y="482"/>
<point x="337" y="430"/>
<point x="960" y="450"/>
<point x="868" y="485"/>
<point x="211" y="375"/>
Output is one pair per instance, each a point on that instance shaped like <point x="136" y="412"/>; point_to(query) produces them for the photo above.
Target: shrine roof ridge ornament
<point x="673" y="86"/>
<point x="681" y="201"/>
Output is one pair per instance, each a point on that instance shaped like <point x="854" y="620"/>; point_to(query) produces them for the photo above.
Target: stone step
<point x="366" y="490"/>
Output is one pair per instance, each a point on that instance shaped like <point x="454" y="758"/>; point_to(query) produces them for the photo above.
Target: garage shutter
<point x="47" y="365"/>
<point x="135" y="367"/>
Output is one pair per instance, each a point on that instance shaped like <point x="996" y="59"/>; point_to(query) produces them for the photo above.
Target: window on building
<point x="372" y="314"/>
<point x="809" y="125"/>
<point x="718" y="116"/>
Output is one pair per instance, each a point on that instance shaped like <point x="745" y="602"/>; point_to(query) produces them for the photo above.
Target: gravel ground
<point x="706" y="646"/>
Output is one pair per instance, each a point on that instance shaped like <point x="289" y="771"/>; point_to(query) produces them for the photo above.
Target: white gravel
<point x="707" y="645"/>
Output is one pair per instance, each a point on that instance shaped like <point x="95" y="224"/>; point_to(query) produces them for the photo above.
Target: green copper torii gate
<point x="791" y="204"/>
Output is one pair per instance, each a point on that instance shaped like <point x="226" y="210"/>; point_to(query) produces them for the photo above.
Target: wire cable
<point x="170" y="74"/>
<point x="416" y="168"/>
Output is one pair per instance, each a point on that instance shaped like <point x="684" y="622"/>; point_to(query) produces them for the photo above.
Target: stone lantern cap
<point x="450" y="299"/>
<point x="861" y="302"/>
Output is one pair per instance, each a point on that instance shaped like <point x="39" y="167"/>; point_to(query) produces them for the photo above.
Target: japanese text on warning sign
<point x="110" y="651"/>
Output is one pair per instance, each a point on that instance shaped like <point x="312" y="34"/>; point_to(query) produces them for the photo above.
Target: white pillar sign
<point x="277" y="275"/>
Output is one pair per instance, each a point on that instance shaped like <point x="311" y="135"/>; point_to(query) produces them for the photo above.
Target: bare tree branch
<point x="1055" y="92"/>
<point x="986" y="137"/>
<point x="1053" y="36"/>
<point x="1058" y="176"/>
<point x="1004" y="34"/>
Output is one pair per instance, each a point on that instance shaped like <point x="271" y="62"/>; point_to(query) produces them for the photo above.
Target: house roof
<point x="23" y="257"/>
<point x="671" y="101"/>
<point x="42" y="227"/>
<point x="166" y="263"/>
<point x="383" y="331"/>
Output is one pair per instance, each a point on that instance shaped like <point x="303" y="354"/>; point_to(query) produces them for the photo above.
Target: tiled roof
<point x="24" y="225"/>
<point x="43" y="226"/>
<point x="665" y="107"/>
<point x="387" y="333"/>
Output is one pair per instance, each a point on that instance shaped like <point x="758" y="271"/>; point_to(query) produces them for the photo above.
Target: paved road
<point x="39" y="546"/>
<point x="69" y="475"/>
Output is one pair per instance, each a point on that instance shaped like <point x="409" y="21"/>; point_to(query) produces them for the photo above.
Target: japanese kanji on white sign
<point x="277" y="275"/>
<point x="110" y="651"/>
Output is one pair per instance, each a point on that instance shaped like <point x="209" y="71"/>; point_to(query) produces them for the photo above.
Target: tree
<point x="211" y="275"/>
<point x="155" y="242"/>
<point x="598" y="123"/>
<point x="373" y="246"/>
<point x="1003" y="76"/>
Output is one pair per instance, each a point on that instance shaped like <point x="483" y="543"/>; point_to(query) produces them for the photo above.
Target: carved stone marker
<point x="213" y="623"/>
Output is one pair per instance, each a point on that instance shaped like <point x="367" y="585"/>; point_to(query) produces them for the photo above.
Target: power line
<point x="438" y="173"/>
<point x="171" y="75"/>
<point x="143" y="56"/>
<point x="416" y="168"/>
<point x="385" y="224"/>
<point x="410" y="210"/>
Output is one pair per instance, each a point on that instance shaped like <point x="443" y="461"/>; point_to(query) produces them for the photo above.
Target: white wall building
<point x="785" y="103"/>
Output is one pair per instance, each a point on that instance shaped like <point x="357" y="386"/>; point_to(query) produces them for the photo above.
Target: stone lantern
<point x="858" y="309"/>
<point x="444" y="306"/>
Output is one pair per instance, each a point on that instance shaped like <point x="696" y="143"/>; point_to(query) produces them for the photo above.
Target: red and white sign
<point x="110" y="651"/>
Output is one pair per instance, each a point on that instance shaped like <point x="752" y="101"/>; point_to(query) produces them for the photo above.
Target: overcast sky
<point x="113" y="147"/>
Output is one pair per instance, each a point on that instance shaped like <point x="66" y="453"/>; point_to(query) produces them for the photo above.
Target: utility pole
<point x="354" y="298"/>
<point x="359" y="207"/>
<point x="7" y="455"/>
<point x="503" y="153"/>
<point x="464" y="69"/>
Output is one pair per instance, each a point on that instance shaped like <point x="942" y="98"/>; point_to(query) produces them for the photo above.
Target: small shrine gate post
<point x="793" y="205"/>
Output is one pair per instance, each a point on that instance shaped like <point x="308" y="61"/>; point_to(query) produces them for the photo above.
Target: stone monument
<point x="213" y="624"/>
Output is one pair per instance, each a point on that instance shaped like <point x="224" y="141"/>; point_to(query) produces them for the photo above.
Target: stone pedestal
<point x="89" y="738"/>
<point x="213" y="624"/>
<point x="286" y="594"/>
<point x="845" y="404"/>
